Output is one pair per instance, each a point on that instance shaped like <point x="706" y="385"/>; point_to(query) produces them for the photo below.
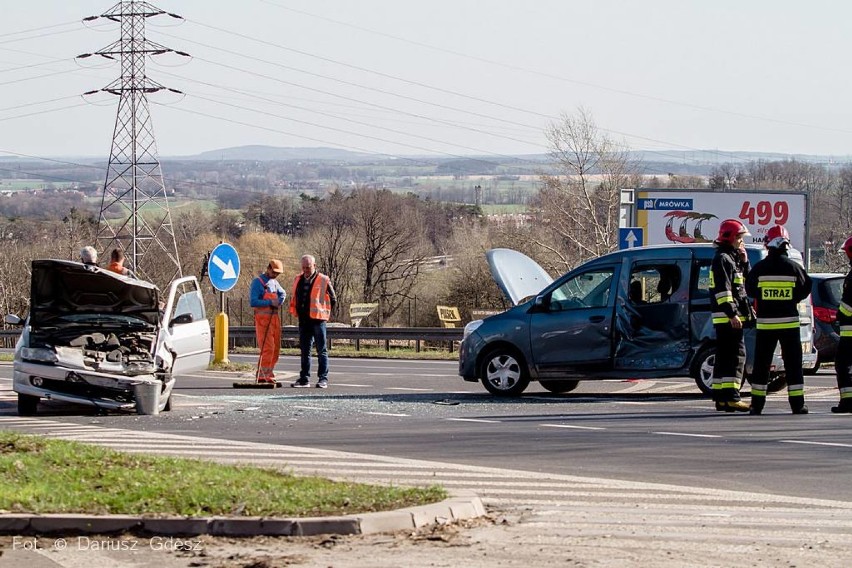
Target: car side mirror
<point x="12" y="319"/>
<point x="181" y="319"/>
<point x="542" y="303"/>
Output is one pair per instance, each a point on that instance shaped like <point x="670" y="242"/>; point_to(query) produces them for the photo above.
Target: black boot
<point x="801" y="410"/>
<point x="845" y="406"/>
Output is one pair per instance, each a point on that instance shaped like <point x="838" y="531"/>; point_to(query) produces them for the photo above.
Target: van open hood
<point x="62" y="287"/>
<point x="517" y="275"/>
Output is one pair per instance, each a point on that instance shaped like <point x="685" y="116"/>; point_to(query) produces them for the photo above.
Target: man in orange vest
<point x="116" y="263"/>
<point x="312" y="300"/>
<point x="265" y="296"/>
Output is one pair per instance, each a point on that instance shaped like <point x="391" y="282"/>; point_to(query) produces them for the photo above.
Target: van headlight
<point x="470" y="328"/>
<point x="39" y="354"/>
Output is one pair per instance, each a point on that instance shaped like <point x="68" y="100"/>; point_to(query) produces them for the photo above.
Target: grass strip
<point x="39" y="475"/>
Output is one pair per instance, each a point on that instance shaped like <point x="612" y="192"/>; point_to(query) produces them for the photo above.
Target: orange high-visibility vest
<point x="116" y="267"/>
<point x="319" y="303"/>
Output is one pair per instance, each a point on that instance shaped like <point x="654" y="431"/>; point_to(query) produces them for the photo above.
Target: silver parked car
<point x="94" y="337"/>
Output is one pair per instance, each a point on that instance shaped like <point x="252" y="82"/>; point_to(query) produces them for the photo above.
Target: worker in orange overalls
<point x="266" y="296"/>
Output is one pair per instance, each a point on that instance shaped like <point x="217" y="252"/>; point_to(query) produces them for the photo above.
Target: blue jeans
<point x="312" y="332"/>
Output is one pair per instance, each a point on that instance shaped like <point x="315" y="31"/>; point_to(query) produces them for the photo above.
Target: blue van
<point x="638" y="313"/>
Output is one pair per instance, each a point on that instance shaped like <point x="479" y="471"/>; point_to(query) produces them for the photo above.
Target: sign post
<point x="224" y="271"/>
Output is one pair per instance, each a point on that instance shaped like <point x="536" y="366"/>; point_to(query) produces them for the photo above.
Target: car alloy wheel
<point x="504" y="373"/>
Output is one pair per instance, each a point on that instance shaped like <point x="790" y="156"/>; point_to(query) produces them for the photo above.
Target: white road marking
<point x="687" y="435"/>
<point x="418" y="374"/>
<point x="474" y="420"/>
<point x="386" y="414"/>
<point x="354" y="385"/>
<point x="835" y="444"/>
<point x="310" y="407"/>
<point x="408" y="389"/>
<point x="572" y="426"/>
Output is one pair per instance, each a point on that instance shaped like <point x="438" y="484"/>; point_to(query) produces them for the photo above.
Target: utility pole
<point x="135" y="214"/>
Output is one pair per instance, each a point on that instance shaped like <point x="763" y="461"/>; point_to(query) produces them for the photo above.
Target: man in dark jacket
<point x="778" y="285"/>
<point x="312" y="301"/>
<point x="843" y="359"/>
<point x="730" y="310"/>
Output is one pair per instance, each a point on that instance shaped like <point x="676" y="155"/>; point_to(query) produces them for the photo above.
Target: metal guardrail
<point x="244" y="336"/>
<point x="241" y="336"/>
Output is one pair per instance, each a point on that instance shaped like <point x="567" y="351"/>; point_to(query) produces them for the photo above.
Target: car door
<point x="652" y="315"/>
<point x="571" y="324"/>
<point x="185" y="323"/>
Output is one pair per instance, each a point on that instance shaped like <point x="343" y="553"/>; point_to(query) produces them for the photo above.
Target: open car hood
<point x="517" y="275"/>
<point x="62" y="287"/>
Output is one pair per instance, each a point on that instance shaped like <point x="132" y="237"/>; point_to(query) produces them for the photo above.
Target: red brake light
<point x="826" y="315"/>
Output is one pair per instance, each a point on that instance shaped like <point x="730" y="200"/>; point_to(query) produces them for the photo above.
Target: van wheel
<point x="702" y="369"/>
<point x="168" y="407"/>
<point x="504" y="373"/>
<point x="27" y="405"/>
<point x="559" y="387"/>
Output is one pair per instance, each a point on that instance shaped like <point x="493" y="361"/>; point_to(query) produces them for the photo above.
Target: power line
<point x="355" y="122"/>
<point x="556" y="77"/>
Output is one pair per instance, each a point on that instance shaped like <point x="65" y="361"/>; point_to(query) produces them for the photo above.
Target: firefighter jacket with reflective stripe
<point x="263" y="290"/>
<point x="320" y="301"/>
<point x="727" y="285"/>
<point x="844" y="310"/>
<point x="777" y="285"/>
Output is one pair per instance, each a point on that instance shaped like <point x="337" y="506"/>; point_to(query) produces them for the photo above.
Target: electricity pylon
<point x="135" y="214"/>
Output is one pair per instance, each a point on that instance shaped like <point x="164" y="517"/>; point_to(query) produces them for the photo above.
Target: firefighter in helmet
<point x="731" y="310"/>
<point x="778" y="285"/>
<point x="843" y="360"/>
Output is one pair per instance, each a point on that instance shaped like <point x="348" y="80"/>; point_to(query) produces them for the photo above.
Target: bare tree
<point x="332" y="241"/>
<point x="578" y="208"/>
<point x="389" y="230"/>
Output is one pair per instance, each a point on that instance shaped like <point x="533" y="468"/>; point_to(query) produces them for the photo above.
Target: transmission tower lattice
<point x="134" y="215"/>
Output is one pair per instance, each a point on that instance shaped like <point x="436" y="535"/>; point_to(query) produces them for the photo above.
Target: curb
<point x="462" y="505"/>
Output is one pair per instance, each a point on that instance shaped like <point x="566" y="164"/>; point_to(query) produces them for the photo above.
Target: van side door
<point x="571" y="324"/>
<point x="652" y="315"/>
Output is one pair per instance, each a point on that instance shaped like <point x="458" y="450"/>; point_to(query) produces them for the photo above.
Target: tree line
<point x="407" y="253"/>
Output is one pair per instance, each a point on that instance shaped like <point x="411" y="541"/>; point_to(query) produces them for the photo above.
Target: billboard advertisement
<point x="693" y="216"/>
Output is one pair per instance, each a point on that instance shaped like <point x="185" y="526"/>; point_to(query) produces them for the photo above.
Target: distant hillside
<point x="273" y="153"/>
<point x="714" y="157"/>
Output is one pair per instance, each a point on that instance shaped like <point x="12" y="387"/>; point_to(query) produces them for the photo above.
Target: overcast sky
<point x="443" y="77"/>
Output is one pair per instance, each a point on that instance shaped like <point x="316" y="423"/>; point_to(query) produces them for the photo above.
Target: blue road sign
<point x="224" y="267"/>
<point x="630" y="237"/>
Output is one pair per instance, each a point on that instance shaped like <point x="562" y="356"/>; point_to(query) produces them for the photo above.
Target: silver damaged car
<point x="94" y="337"/>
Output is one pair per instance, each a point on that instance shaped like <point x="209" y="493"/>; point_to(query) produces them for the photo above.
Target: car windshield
<point x="831" y="291"/>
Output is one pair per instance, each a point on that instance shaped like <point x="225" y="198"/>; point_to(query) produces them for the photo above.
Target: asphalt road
<point x="660" y="431"/>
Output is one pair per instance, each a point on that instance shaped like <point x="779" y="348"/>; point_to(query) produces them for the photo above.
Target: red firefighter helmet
<point x="847" y="248"/>
<point x="776" y="237"/>
<point x="729" y="230"/>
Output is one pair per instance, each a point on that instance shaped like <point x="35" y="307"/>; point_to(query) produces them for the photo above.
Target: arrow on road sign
<point x="631" y="239"/>
<point x="227" y="268"/>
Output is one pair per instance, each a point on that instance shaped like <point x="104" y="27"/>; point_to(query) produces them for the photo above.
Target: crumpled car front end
<point x="91" y="338"/>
